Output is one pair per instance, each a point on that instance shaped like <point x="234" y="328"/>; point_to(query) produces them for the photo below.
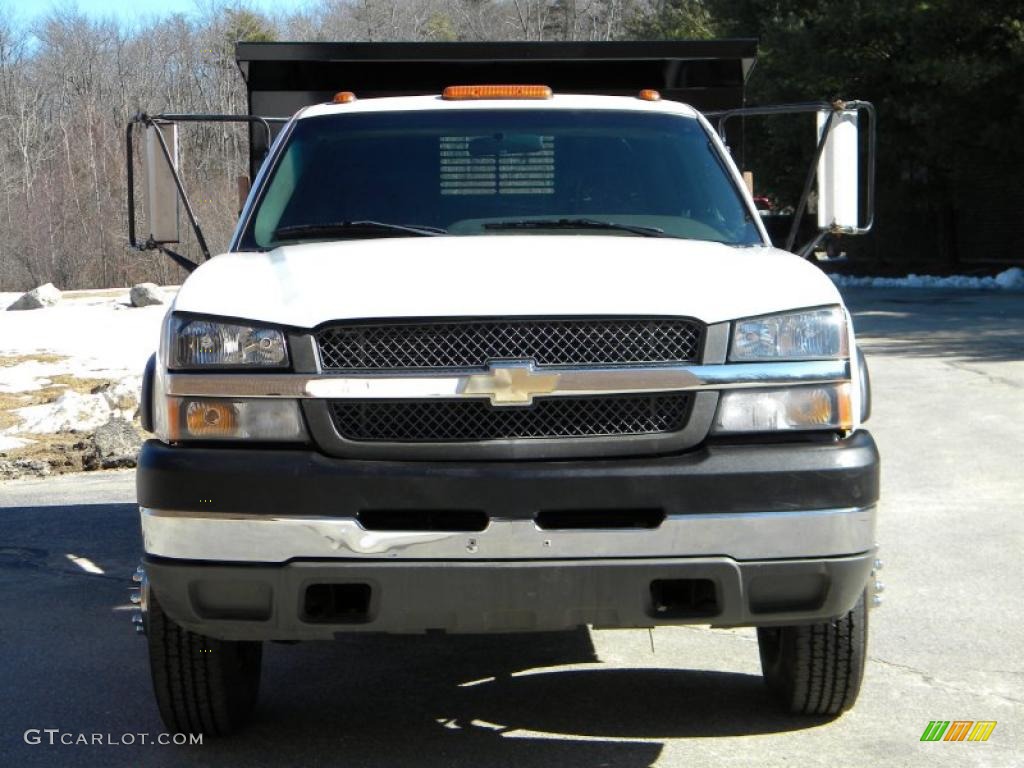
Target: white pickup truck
<point x="500" y="358"/>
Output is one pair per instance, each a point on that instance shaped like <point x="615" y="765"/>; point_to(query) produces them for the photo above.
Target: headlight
<point x="822" y="406"/>
<point x="810" y="335"/>
<point x="210" y="418"/>
<point x="193" y="343"/>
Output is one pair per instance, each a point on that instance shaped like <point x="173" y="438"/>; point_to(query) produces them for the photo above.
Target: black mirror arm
<point x="183" y="195"/>
<point x="812" y="173"/>
<point x="724" y="116"/>
<point x="185" y="263"/>
<point x="148" y="120"/>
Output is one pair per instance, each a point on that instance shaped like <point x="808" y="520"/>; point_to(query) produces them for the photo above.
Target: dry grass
<point x="63" y="451"/>
<point x="112" y="293"/>
<point x="7" y="404"/>
<point x="9" y="361"/>
<point x="97" y="293"/>
<point x="58" y="385"/>
<point x="69" y="381"/>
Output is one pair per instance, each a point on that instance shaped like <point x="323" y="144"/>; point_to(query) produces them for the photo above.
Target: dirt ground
<point x="47" y="453"/>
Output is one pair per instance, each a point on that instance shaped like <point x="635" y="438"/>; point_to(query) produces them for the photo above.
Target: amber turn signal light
<point x="471" y="92"/>
<point x="209" y="418"/>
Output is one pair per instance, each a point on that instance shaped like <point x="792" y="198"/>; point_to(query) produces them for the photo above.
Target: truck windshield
<point x="495" y="172"/>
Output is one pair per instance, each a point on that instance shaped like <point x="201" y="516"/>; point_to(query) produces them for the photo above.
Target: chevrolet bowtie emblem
<point x="511" y="383"/>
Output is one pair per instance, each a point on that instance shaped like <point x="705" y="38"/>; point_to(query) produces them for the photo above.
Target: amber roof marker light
<point x="649" y="94"/>
<point x="472" y="92"/>
<point x="344" y="97"/>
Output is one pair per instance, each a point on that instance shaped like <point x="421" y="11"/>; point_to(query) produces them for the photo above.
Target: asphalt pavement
<point x="948" y="372"/>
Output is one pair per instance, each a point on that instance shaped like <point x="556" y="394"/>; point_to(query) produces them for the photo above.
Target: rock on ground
<point x="43" y="296"/>
<point x="12" y="470"/>
<point x="121" y="395"/>
<point x="113" y="445"/>
<point x="146" y="295"/>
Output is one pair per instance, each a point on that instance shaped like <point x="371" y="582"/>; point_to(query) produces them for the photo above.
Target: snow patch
<point x="89" y="335"/>
<point x="78" y="412"/>
<point x="8" y="443"/>
<point x="29" y="376"/>
<point x="1011" y="280"/>
<point x="123" y="395"/>
<point x="70" y="411"/>
<point x="95" y="332"/>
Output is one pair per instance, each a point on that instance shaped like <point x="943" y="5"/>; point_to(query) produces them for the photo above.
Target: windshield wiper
<point x="576" y="224"/>
<point x="335" y="228"/>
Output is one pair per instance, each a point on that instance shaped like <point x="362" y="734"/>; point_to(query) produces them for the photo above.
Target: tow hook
<point x="138" y="593"/>
<point x="877" y="587"/>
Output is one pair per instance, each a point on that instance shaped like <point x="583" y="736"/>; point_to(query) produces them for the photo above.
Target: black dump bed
<point x="283" y="77"/>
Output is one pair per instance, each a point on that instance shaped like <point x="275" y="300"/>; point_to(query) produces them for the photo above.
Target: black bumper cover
<point x="273" y="602"/>
<point x="764" y="477"/>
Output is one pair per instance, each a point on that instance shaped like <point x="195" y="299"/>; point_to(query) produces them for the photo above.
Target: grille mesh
<point x="471" y="344"/>
<point x="553" y="417"/>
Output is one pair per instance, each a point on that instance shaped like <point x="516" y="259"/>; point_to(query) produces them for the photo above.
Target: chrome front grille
<point x="474" y="343"/>
<point x="433" y="421"/>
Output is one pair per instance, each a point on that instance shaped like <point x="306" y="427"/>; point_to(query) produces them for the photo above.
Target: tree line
<point x="945" y="80"/>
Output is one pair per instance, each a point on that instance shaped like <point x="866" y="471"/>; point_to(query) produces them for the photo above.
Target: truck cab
<point x="500" y="356"/>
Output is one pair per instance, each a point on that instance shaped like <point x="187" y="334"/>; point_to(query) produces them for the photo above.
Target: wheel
<point x="816" y="669"/>
<point x="202" y="685"/>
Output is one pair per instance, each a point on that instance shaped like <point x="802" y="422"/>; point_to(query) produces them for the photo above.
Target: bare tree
<point x="66" y="97"/>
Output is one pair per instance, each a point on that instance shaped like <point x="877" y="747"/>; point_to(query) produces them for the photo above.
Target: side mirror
<point x="161" y="191"/>
<point x="838" y="169"/>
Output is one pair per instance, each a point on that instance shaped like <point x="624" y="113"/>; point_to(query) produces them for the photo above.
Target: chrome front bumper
<point x="238" y="538"/>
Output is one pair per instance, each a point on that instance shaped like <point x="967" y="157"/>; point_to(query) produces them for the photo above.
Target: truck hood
<point x="539" y="275"/>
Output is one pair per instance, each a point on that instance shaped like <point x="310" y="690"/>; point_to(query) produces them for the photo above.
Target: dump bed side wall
<point x="281" y="78"/>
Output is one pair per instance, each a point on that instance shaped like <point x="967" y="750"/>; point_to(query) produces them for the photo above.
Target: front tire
<point x="202" y="684"/>
<point x="816" y="669"/>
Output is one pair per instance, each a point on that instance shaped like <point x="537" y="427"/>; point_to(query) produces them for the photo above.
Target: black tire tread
<point x="816" y="669"/>
<point x="202" y="684"/>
